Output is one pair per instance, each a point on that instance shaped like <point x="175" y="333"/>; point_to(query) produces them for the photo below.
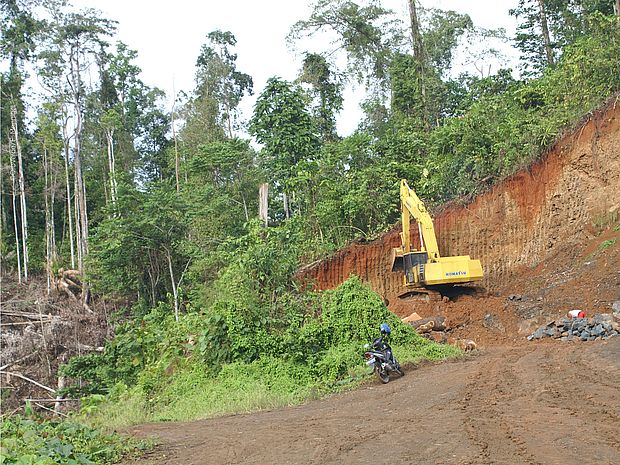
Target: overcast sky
<point x="168" y="35"/>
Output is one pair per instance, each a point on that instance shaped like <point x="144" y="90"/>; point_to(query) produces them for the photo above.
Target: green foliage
<point x="353" y="312"/>
<point x="367" y="34"/>
<point x="131" y="250"/>
<point x="566" y="23"/>
<point x="441" y="35"/>
<point x="30" y="441"/>
<point x="219" y="90"/>
<point x="501" y="133"/>
<point x="326" y="90"/>
<point x="240" y="356"/>
<point x="281" y="123"/>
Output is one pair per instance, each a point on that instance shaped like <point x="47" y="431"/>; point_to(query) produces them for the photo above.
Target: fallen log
<point x="425" y="328"/>
<point x="439" y="323"/>
<point x="22" y="323"/>
<point x="51" y="410"/>
<point x="15" y="362"/>
<point x="27" y="315"/>
<point x="411" y="318"/>
<point x="25" y="378"/>
<point x="52" y="400"/>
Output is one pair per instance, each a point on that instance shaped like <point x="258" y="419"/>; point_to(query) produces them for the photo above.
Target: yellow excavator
<point x="425" y="268"/>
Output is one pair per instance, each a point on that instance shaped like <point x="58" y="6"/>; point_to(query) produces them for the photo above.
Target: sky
<point x="168" y="35"/>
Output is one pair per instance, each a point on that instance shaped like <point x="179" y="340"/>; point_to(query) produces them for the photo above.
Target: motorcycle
<point x="380" y="358"/>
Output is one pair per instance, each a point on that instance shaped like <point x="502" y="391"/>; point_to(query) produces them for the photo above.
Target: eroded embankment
<point x="545" y="210"/>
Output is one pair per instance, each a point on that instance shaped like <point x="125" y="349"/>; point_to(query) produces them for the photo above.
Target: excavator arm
<point x="411" y="205"/>
<point x="426" y="267"/>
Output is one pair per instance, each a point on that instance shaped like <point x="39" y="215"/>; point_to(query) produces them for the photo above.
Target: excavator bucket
<point x="397" y="260"/>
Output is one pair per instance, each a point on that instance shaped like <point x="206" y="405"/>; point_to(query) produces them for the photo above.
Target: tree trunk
<point x="175" y="290"/>
<point x="3" y="221"/>
<point x="78" y="223"/>
<point x="22" y="190"/>
<point x="80" y="189"/>
<point x="61" y="385"/>
<point x="286" y="206"/>
<point x="177" y="163"/>
<point x="617" y="7"/>
<point x="416" y="37"/>
<point x="263" y="203"/>
<point x="68" y="185"/>
<point x="54" y="184"/>
<point x="48" y="236"/>
<point x="80" y="193"/>
<point x="112" y="168"/>
<point x="545" y="31"/>
<point x="420" y="57"/>
<point x="14" y="197"/>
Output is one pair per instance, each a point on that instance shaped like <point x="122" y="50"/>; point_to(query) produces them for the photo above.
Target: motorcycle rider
<point x="381" y="343"/>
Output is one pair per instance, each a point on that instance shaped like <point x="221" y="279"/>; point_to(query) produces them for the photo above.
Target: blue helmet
<point x="385" y="329"/>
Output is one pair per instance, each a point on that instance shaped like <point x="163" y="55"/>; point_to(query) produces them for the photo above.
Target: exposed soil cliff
<point x="534" y="230"/>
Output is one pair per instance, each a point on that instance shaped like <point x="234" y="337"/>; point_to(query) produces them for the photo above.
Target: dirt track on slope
<point x="537" y="403"/>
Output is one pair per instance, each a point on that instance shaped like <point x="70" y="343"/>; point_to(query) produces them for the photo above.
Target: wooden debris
<point x="19" y="375"/>
<point x="439" y="323"/>
<point x="426" y="327"/>
<point x="466" y="345"/>
<point x="411" y="318"/>
<point x="15" y="362"/>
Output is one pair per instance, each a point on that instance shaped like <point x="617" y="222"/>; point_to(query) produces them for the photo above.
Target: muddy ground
<point x="549" y="241"/>
<point x="527" y="404"/>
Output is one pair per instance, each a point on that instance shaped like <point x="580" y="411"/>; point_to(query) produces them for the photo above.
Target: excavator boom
<point x="426" y="267"/>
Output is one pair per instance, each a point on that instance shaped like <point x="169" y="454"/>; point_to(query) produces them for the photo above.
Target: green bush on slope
<point x="287" y="365"/>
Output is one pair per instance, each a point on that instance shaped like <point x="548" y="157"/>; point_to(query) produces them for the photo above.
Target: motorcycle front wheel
<point x="383" y="375"/>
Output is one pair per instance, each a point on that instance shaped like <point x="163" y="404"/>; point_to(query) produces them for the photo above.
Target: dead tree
<point x="12" y="151"/>
<point x="22" y="189"/>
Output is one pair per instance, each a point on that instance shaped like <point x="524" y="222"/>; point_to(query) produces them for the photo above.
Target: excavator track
<point x="433" y="294"/>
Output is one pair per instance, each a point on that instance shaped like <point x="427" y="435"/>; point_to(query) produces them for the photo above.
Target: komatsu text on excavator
<point x="425" y="267"/>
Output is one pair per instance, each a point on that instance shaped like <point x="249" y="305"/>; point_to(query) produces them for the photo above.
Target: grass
<point x="606" y="244"/>
<point x="605" y="220"/>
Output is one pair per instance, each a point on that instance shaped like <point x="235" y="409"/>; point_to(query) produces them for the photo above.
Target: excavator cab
<point x="410" y="263"/>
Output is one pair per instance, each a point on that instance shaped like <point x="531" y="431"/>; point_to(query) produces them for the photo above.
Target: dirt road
<point x="540" y="403"/>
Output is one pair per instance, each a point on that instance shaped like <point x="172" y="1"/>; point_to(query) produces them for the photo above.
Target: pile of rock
<point x="600" y="326"/>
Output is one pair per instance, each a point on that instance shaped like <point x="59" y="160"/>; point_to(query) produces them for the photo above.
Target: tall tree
<point x="281" y="123"/>
<point x="47" y="139"/>
<point x="213" y="112"/>
<point x="367" y="34"/>
<point x="326" y="90"/>
<point x="17" y="44"/>
<point x="17" y="152"/>
<point x="78" y="39"/>
<point x="141" y="125"/>
<point x="546" y="27"/>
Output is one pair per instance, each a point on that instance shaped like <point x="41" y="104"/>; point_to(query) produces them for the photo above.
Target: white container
<point x="576" y="313"/>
